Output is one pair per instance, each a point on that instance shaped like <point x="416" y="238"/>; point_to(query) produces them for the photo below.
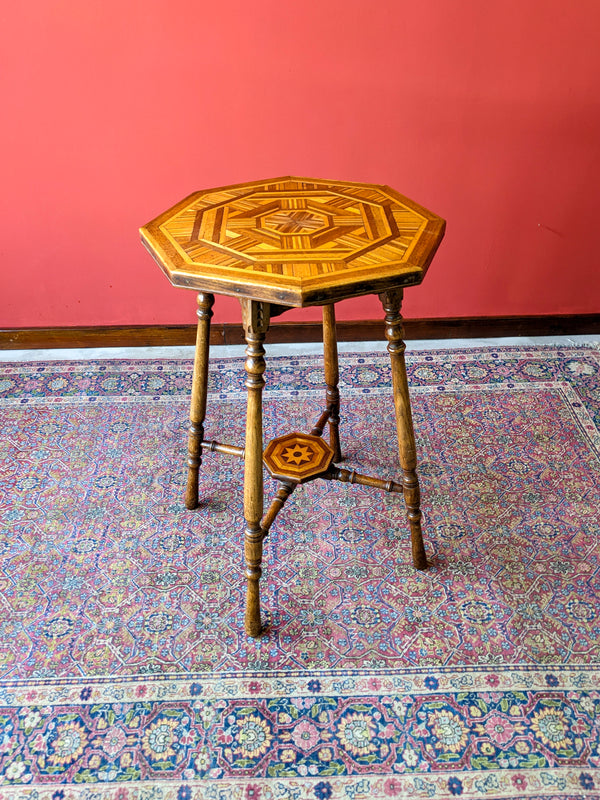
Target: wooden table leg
<point x="198" y="403"/>
<point x="392" y="302"/>
<point x="255" y="318"/>
<point x="332" y="377"/>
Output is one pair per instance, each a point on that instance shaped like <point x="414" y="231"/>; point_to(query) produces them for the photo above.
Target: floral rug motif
<point x="124" y="669"/>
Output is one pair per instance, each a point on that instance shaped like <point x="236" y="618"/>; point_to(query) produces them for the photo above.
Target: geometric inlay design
<point x="277" y="228"/>
<point x="296" y="235"/>
<point x="295" y="221"/>
<point x="297" y="457"/>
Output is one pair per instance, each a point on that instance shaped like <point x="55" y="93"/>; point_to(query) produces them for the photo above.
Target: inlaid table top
<point x="295" y="241"/>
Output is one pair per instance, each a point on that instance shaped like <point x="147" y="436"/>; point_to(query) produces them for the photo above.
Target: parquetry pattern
<point x="294" y="232"/>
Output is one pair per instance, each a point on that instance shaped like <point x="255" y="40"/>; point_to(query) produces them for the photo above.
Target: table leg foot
<point x="253" y="554"/>
<point x="195" y="437"/>
<point x="412" y="499"/>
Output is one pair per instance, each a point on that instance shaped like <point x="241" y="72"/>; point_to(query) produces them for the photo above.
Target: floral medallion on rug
<point x="124" y="670"/>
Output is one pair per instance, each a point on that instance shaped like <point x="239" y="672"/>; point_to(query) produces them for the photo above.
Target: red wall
<point x="488" y="113"/>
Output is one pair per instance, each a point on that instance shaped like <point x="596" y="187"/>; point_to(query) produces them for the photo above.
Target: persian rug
<point x="125" y="672"/>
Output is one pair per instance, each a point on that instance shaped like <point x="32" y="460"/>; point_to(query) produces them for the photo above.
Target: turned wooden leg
<point x="198" y="403"/>
<point x="332" y="377"/>
<point x="255" y="318"/>
<point x="394" y="332"/>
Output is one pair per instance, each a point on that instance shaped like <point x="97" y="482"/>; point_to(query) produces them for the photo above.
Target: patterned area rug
<point x="125" y="670"/>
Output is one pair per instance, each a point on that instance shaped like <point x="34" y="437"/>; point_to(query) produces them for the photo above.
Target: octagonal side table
<point x="288" y="243"/>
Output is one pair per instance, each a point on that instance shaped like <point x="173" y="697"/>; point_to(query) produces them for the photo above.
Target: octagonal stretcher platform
<point x="297" y="457"/>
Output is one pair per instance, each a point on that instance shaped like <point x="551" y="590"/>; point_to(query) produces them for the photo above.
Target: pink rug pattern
<point x="125" y="670"/>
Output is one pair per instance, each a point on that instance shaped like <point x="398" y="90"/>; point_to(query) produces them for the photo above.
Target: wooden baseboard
<point x="348" y="331"/>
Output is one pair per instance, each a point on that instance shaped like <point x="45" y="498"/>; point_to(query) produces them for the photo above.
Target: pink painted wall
<point x="488" y="113"/>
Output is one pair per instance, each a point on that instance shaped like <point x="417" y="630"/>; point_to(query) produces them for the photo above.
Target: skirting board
<point x="347" y="330"/>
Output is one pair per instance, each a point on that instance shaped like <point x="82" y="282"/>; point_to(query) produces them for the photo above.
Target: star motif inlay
<point x="297" y="454"/>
